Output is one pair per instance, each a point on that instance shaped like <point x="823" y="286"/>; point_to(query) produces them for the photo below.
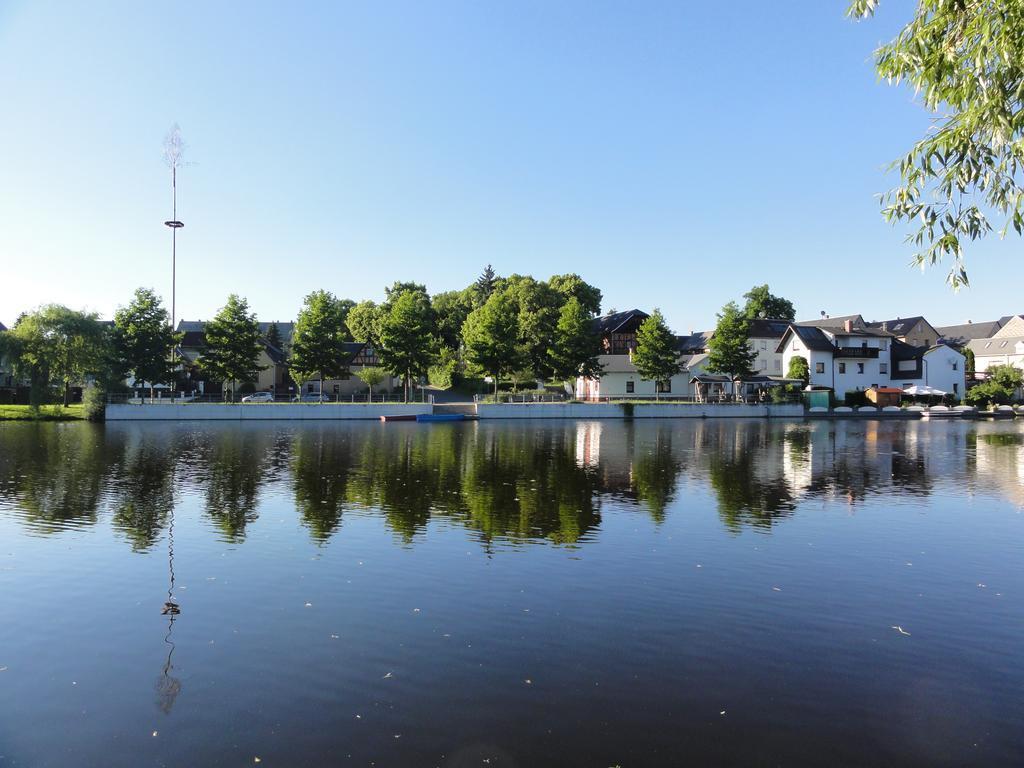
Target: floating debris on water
<point x="901" y="630"/>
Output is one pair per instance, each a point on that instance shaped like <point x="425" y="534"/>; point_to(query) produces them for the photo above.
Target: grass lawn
<point x="46" y="413"/>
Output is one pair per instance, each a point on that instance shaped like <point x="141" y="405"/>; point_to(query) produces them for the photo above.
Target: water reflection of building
<point x="517" y="481"/>
<point x="588" y="443"/>
<point x="999" y="463"/>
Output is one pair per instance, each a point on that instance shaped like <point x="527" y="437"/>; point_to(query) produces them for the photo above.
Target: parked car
<point x="312" y="397"/>
<point x="259" y="397"/>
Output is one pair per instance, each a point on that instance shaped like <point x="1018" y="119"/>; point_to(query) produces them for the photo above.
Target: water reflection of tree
<point x="410" y="473"/>
<point x="143" y="487"/>
<point x="656" y="473"/>
<point x="54" y="472"/>
<point x="321" y="466"/>
<point x="526" y="483"/>
<point x="744" y="468"/>
<point x="235" y="464"/>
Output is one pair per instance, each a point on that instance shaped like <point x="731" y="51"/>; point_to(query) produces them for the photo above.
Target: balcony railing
<point x="862" y="353"/>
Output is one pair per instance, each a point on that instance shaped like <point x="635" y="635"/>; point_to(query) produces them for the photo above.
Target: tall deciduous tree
<point x="761" y="303"/>
<point x="363" y="322"/>
<point x="145" y="339"/>
<point x="233" y="344"/>
<point x="318" y="341"/>
<point x="729" y="347"/>
<point x="576" y="346"/>
<point x="406" y="342"/>
<point x="57" y="345"/>
<point x="656" y="357"/>
<point x="964" y="59"/>
<point x="490" y="335"/>
<point x="451" y="308"/>
<point x="572" y="285"/>
<point x="537" y="305"/>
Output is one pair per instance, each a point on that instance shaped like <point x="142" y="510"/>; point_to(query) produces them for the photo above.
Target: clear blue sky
<point x="672" y="153"/>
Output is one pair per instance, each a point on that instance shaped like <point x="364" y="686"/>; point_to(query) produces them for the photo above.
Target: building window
<point x="955" y="364"/>
<point x="956" y="388"/>
<point x="883" y="344"/>
<point x="630" y="387"/>
<point x="842" y="367"/>
<point x="337" y="388"/>
<point x="778" y="365"/>
<point x="819" y="367"/>
<point x="764" y="345"/>
<point x="883" y="367"/>
<point x="860" y="367"/>
<point x="663" y="386"/>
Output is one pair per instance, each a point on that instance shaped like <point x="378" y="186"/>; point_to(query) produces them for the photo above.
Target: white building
<point x="1004" y="347"/>
<point x="853" y="359"/>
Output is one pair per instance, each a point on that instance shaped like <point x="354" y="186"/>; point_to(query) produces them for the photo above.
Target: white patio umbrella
<point x="922" y="389"/>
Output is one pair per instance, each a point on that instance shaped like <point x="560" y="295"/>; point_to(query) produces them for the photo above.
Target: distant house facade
<point x="855" y="359"/>
<point x="1004" y="347"/>
<point x="358" y="355"/>
<point x="915" y="331"/>
<point x="619" y="377"/>
<point x="962" y="335"/>
<point x="275" y="375"/>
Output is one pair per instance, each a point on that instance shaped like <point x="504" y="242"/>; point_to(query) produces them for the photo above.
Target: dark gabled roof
<point x="1007" y="318"/>
<point x="903" y="351"/>
<point x="900" y="326"/>
<point x="961" y="334"/>
<point x="194" y="340"/>
<point x="811" y="337"/>
<point x="608" y="324"/>
<point x="874" y="333"/>
<point x="284" y="329"/>
<point x="832" y="322"/>
<point x="352" y="350"/>
<point x="3" y="327"/>
<point x="274" y="353"/>
<point x="694" y="343"/>
<point x="761" y="328"/>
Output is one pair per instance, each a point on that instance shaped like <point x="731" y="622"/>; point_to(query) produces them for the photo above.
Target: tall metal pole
<point x="173" y="150"/>
<point x="174" y="244"/>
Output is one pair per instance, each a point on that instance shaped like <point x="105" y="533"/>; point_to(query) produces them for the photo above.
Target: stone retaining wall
<point x="639" y="411"/>
<point x="263" y="411"/>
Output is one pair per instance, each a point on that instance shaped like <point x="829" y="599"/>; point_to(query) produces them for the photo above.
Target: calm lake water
<point x="526" y="594"/>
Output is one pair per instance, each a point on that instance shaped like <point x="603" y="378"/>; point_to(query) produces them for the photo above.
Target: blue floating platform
<point x="441" y="417"/>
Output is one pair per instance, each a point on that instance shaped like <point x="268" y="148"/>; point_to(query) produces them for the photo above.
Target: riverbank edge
<point x="635" y="411"/>
<point x="265" y="412"/>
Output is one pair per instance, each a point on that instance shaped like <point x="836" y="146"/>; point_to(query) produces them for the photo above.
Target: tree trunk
<point x="320" y="398"/>
<point x="67" y="393"/>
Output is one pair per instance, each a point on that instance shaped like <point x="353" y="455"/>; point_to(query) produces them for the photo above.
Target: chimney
<point x="848" y="325"/>
<point x="823" y="315"/>
<point x="885" y="325"/>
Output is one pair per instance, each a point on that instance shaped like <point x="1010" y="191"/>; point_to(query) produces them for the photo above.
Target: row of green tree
<point x="515" y="326"/>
